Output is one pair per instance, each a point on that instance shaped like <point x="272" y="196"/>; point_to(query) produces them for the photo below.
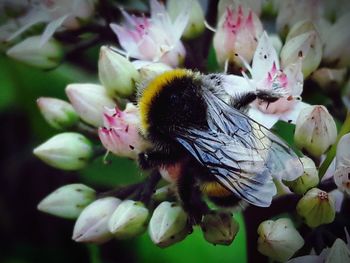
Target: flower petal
<point x="264" y="57"/>
<point x="267" y="120"/>
<point x="292" y="115"/>
<point x="51" y="29"/>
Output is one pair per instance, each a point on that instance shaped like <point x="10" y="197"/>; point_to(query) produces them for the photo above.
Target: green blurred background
<point x="28" y="235"/>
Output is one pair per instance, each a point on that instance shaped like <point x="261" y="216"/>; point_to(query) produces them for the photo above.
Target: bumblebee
<point x="221" y="153"/>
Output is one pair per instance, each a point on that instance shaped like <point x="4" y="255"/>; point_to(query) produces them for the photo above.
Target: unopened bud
<point x="164" y="193"/>
<point x="67" y="201"/>
<point x="342" y="180"/>
<point x="276" y="42"/>
<point x="148" y="70"/>
<point x="329" y="78"/>
<point x="339" y="252"/>
<point x="307" y="47"/>
<point x="317" y="207"/>
<point x="117" y="74"/>
<point x="129" y="219"/>
<point x="92" y="224"/>
<point x="299" y="28"/>
<point x="195" y="25"/>
<point x="168" y="224"/>
<point x="89" y="100"/>
<point x="219" y="228"/>
<point x="315" y="130"/>
<point x="279" y="239"/>
<point x="336" y="52"/>
<point x="308" y="180"/>
<point x="343" y="152"/>
<point x="58" y="113"/>
<point x="66" y="151"/>
<point x="30" y="51"/>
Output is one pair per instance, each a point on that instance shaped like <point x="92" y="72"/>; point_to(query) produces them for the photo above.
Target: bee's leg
<point x="190" y="194"/>
<point x="242" y="101"/>
<point x="148" y="186"/>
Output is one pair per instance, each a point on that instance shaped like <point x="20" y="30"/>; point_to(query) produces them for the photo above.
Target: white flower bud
<point x="129" y="219"/>
<point x="195" y="25"/>
<point x="219" y="228"/>
<point x="276" y="42"/>
<point x="279" y="239"/>
<point x="308" y="180"/>
<point x="342" y="180"/>
<point x="164" y="193"/>
<point x="343" y="152"/>
<point x="30" y="51"/>
<point x="339" y="252"/>
<point x="317" y="207"/>
<point x="66" y="151"/>
<point x="58" y="113"/>
<point x="67" y="201"/>
<point x="168" y="224"/>
<point x="148" y="70"/>
<point x="336" y="52"/>
<point x="315" y="130"/>
<point x="306" y="46"/>
<point x="117" y="74"/>
<point x="299" y="28"/>
<point x="329" y="78"/>
<point x="92" y="224"/>
<point x="89" y="100"/>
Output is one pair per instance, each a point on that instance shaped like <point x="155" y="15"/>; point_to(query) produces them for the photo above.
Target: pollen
<point x="151" y="92"/>
<point x="214" y="189"/>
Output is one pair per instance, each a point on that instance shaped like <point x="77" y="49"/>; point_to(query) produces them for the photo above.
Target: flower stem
<point x="332" y="152"/>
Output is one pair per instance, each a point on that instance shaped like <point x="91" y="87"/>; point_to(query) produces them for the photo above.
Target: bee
<point x="220" y="152"/>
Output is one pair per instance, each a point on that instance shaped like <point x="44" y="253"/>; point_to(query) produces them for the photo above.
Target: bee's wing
<point x="240" y="153"/>
<point x="282" y="161"/>
<point x="239" y="169"/>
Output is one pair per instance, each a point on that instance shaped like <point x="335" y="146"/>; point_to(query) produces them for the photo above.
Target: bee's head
<point x="172" y="99"/>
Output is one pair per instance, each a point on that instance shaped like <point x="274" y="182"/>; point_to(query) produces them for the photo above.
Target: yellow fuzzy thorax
<point x="152" y="90"/>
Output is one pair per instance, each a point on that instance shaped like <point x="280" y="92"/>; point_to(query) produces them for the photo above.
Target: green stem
<point x="94" y="254"/>
<point x="332" y="152"/>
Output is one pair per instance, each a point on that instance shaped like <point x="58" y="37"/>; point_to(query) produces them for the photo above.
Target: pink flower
<point x="266" y="74"/>
<point x="120" y="132"/>
<point x="153" y="39"/>
<point x="237" y="33"/>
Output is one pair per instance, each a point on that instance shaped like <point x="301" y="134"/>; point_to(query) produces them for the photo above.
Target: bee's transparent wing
<point x="243" y="155"/>
<point x="239" y="169"/>
<point x="281" y="161"/>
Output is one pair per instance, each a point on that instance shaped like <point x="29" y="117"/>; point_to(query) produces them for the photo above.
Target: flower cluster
<point x="308" y="52"/>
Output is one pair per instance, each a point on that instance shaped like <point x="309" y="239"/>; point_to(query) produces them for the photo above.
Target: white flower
<point x="56" y="14"/>
<point x="153" y="39"/>
<point x="267" y="74"/>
